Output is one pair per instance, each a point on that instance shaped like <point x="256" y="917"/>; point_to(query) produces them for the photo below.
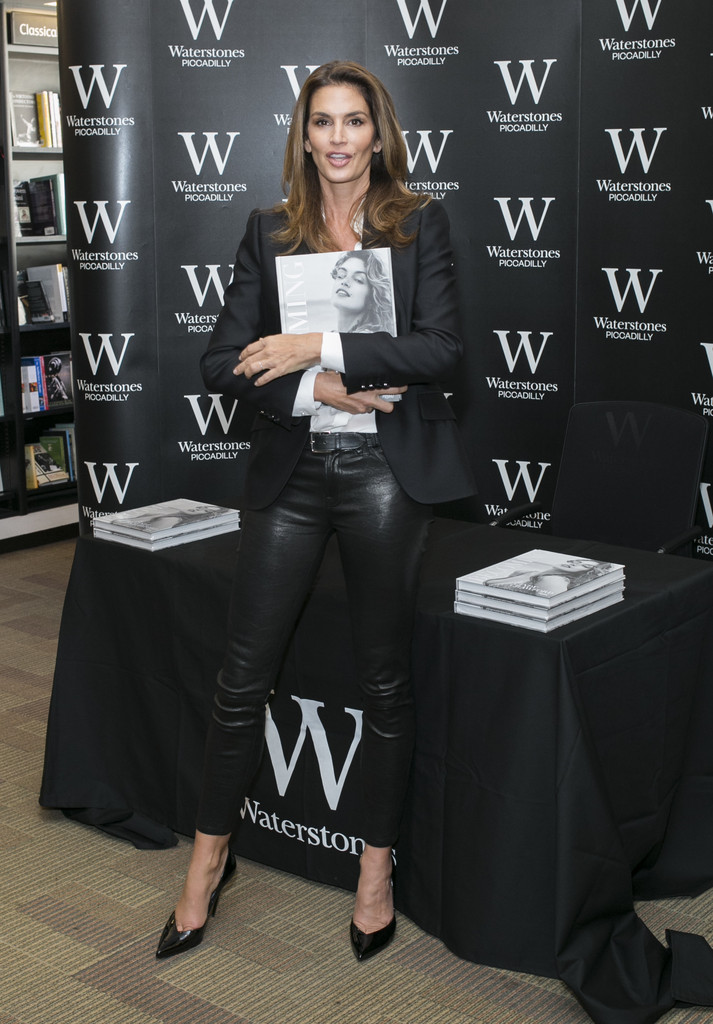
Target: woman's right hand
<point x="329" y="390"/>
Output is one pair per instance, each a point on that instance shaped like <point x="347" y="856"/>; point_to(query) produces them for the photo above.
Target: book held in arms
<point x="540" y="589"/>
<point x="350" y="291"/>
<point x="166" y="524"/>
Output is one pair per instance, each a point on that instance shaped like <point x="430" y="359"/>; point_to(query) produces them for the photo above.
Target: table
<point x="556" y="778"/>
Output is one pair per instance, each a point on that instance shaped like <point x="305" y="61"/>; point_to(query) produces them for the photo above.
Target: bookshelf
<point x="26" y="70"/>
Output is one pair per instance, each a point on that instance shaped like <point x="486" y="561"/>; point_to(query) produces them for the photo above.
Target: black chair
<point x="630" y="475"/>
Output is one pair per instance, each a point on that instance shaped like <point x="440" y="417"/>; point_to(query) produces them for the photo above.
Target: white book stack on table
<point x="540" y="589"/>
<point x="166" y="524"/>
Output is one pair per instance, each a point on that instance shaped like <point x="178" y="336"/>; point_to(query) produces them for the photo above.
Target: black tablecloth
<point x="557" y="777"/>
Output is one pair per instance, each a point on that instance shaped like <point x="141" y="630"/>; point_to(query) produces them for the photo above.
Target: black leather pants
<point x="381" y="534"/>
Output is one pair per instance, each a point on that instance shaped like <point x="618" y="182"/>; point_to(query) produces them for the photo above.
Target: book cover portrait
<point x="351" y="292"/>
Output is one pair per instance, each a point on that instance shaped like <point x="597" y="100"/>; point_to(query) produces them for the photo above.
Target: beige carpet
<point x="81" y="912"/>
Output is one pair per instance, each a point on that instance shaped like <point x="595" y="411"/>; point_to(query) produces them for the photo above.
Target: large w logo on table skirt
<point x="311" y="723"/>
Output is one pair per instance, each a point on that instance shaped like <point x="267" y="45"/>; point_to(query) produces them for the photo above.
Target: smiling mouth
<point x="340" y="157"/>
<point x="344" y="292"/>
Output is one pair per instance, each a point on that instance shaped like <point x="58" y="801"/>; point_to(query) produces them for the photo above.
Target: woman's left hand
<point x="277" y="355"/>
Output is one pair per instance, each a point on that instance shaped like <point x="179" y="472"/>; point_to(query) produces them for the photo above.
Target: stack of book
<point x="540" y="589"/>
<point x="166" y="524"/>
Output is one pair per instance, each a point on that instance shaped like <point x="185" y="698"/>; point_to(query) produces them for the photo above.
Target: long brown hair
<point x="387" y="202"/>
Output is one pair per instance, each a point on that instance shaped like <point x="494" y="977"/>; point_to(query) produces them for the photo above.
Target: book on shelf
<point x="46" y="382"/>
<point x="36" y="119"/>
<point x="33" y="302"/>
<point x="57" y="372"/>
<point x="166" y="523"/>
<point x="55" y="443"/>
<point x="23" y="216"/>
<point x="50" y="197"/>
<point x="53" y="279"/>
<point x="45" y="212"/>
<point x="24" y="120"/>
<point x="40" y="468"/>
<point x="59" y="441"/>
<point x="32" y="385"/>
<point x="49" y="119"/>
<point x="40" y="206"/>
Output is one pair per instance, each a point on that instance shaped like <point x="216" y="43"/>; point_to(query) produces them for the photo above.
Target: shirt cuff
<point x="305" y="404"/>
<point x="332" y="355"/>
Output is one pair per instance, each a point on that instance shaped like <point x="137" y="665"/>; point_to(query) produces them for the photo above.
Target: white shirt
<point x="324" y="417"/>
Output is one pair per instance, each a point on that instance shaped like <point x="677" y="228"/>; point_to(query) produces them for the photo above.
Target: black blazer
<point x="420" y="438"/>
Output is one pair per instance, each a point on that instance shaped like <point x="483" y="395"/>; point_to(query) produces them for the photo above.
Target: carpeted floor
<point x="81" y="912"/>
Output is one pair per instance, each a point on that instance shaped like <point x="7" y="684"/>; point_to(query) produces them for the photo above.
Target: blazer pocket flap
<point x="435" y="406"/>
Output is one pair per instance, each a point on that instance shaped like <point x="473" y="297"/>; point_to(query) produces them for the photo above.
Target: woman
<point x="326" y="430"/>
<point x="361" y="293"/>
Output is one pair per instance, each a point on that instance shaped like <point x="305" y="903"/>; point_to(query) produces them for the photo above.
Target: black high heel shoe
<point x="172" y="940"/>
<point x="367" y="944"/>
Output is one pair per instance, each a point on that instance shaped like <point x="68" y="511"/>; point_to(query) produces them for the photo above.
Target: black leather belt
<point x="325" y="442"/>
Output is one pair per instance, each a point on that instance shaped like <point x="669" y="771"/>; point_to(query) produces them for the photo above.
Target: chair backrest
<point x="630" y="473"/>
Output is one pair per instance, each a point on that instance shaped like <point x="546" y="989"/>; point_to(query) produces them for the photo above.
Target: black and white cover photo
<point x="349" y="291"/>
<point x="542" y="576"/>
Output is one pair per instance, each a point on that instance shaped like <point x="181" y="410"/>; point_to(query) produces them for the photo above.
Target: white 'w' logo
<point x="424" y="144"/>
<point x="291" y="72"/>
<point x="212" y="279"/>
<point x="105" y="348"/>
<point x="211" y="147"/>
<point x="633" y="284"/>
<point x="101" y="215"/>
<point x="525" y="211"/>
<point x="628" y="16"/>
<point x="312" y="723"/>
<point x="526" y="75"/>
<point x="216" y="407"/>
<point x="637" y="143"/>
<point x="706" y="499"/>
<point x="523" y="474"/>
<point x="424" y="8"/>
<point x="209" y="9"/>
<point x="110" y="476"/>
<point x="524" y="346"/>
<point x="98" y="80"/>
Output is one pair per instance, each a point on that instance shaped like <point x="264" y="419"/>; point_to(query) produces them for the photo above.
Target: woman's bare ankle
<point x="204" y="872"/>
<point x="374" y="906"/>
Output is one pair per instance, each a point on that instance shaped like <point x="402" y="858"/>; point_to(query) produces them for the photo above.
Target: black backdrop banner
<point x="106" y="86"/>
<point x="569" y="142"/>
